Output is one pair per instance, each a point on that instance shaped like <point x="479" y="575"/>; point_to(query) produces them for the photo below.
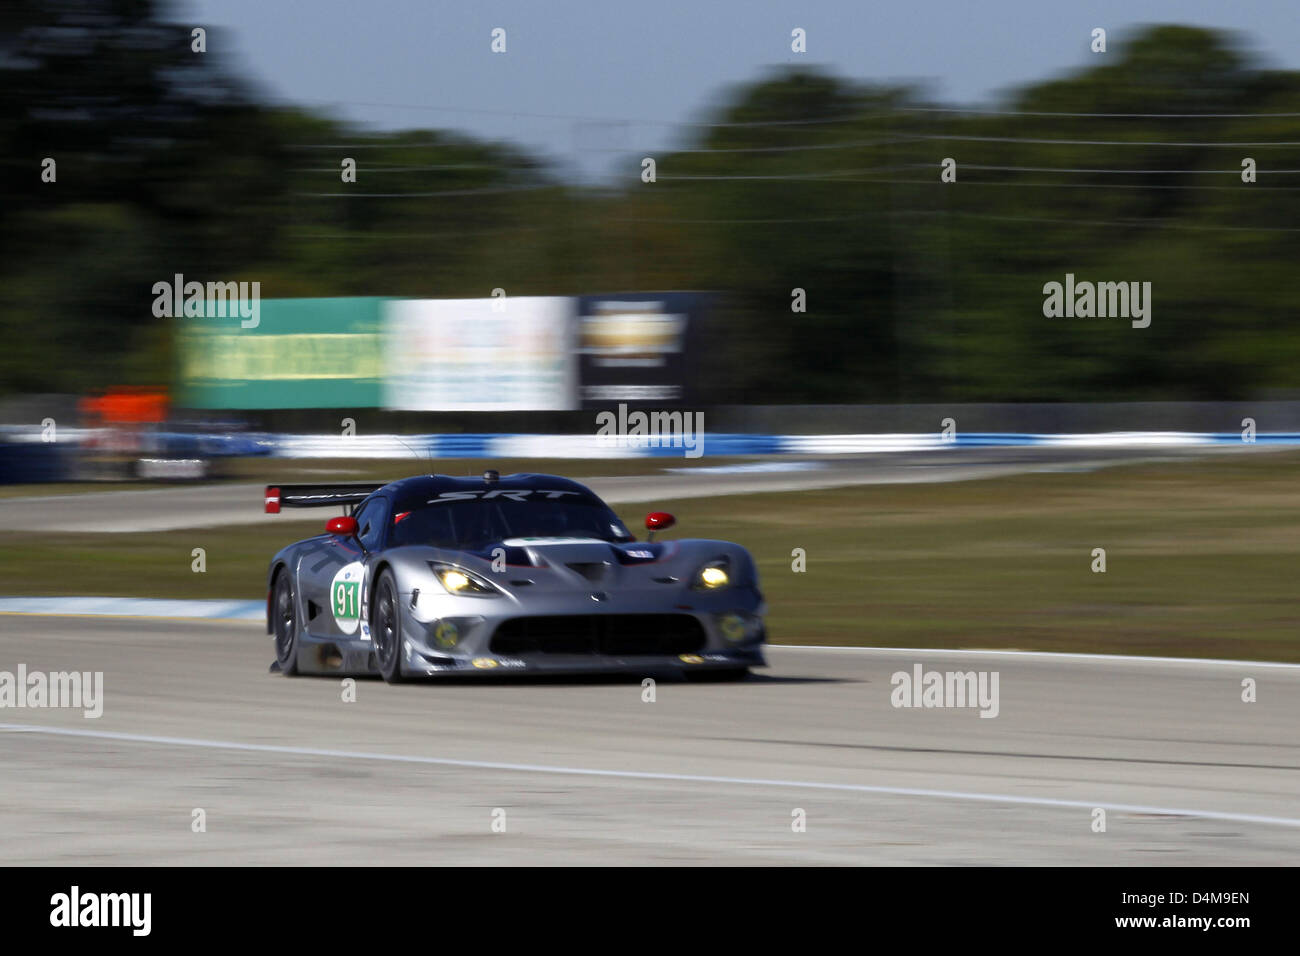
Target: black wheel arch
<point x="280" y="567"/>
<point x="380" y="567"/>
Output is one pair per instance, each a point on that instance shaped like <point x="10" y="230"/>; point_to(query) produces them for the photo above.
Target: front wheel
<point x="386" y="628"/>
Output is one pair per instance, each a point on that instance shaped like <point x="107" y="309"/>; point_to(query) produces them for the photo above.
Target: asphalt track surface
<point x="588" y="773"/>
<point x="194" y="506"/>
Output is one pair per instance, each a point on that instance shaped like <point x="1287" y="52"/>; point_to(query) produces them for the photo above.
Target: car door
<point x="334" y="575"/>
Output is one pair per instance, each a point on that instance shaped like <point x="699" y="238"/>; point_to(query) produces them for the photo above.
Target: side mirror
<point x="344" y="525"/>
<point x="658" y="521"/>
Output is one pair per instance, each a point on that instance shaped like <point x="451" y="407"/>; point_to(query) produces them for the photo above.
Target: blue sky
<point x="419" y="63"/>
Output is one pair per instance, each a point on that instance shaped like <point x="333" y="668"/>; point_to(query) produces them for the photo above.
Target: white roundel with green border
<point x="345" y="597"/>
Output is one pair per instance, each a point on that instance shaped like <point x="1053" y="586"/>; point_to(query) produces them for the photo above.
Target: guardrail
<point x="25" y="458"/>
<point x="714" y="445"/>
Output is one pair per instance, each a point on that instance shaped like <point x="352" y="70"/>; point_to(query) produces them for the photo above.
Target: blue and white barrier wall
<point x="595" y="446"/>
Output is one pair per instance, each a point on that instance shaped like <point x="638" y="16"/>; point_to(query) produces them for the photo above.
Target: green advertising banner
<point x="298" y="353"/>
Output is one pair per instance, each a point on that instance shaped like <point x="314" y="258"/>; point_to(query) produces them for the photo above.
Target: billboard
<point x="544" y="353"/>
<point x="638" y="348"/>
<point x="477" y="355"/>
<point x="302" y="353"/>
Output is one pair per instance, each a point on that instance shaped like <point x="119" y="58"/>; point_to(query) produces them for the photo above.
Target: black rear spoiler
<point x="318" y="496"/>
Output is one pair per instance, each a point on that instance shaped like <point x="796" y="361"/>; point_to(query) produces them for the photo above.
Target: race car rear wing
<point x="318" y="496"/>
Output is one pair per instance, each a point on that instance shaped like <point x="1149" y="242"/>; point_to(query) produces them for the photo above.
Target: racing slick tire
<point x="284" y="623"/>
<point x="386" y="628"/>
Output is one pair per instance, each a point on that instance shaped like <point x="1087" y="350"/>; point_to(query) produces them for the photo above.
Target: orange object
<point x="126" y="406"/>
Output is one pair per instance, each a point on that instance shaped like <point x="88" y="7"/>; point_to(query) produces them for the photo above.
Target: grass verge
<point x="1201" y="560"/>
<point x="290" y="470"/>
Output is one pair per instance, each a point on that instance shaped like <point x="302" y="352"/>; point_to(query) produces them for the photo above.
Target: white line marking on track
<point x="7" y="602"/>
<point x="650" y="775"/>
<point x="1048" y="655"/>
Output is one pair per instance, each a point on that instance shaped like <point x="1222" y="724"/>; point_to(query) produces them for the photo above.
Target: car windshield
<point x="473" y="523"/>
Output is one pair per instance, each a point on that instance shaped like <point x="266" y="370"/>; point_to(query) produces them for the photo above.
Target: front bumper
<point x="355" y="657"/>
<point x="575" y="664"/>
<point x="717" y="632"/>
<point x="631" y="631"/>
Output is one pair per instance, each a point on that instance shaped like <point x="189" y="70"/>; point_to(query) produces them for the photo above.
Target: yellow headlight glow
<point x="455" y="580"/>
<point x="713" y="577"/>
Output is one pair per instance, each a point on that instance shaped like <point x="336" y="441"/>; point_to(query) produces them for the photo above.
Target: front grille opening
<point x="438" y="661"/>
<point x="617" y="635"/>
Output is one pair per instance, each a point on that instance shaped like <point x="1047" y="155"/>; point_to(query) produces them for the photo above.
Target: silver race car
<point x="437" y="575"/>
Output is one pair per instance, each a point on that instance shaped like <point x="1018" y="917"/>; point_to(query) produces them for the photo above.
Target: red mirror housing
<point x="659" y="521"/>
<point x="344" y="525"/>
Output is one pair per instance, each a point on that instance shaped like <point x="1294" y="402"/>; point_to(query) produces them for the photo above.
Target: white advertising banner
<point x="478" y="355"/>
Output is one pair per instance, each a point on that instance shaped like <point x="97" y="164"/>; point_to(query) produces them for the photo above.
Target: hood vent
<point x="593" y="571"/>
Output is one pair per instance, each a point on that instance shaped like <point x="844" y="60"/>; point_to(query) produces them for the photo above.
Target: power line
<point x="1135" y="172"/>
<point x="398" y="169"/>
<point x="456" y="234"/>
<point x="1159" y="223"/>
<point x="570" y="117"/>
<point x="699" y="222"/>
<point x="988" y="112"/>
<point x="379" y="145"/>
<point x="857" y="144"/>
<point x="792" y="177"/>
<point x="1095" y="142"/>
<point x="1251" y="188"/>
<point x="347" y="194"/>
<point x="842" y="118"/>
<point x="1151" y="223"/>
<point x="839" y="176"/>
<point x="896" y="137"/>
<point x="832" y="178"/>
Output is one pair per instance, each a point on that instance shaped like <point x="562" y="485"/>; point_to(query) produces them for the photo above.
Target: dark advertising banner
<point x="638" y="348"/>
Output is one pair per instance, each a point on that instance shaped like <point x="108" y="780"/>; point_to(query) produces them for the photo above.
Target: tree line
<point x="815" y="206"/>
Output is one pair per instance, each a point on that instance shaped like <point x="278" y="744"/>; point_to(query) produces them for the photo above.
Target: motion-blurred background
<point x="1124" y="165"/>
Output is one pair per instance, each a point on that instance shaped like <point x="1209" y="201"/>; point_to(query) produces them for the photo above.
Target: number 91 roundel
<point x="345" y="597"/>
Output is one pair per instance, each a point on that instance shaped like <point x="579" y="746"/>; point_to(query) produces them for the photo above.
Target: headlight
<point x="454" y="580"/>
<point x="458" y="581"/>
<point x="712" y="576"/>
